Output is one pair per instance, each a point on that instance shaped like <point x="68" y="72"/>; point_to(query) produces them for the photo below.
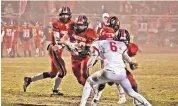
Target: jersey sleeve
<point x="94" y="49"/>
<point x="90" y="37"/>
<point x="55" y="26"/>
<point x="132" y="49"/>
<point x="94" y="53"/>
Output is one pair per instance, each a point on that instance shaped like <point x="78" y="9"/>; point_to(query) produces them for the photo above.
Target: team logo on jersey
<point x="79" y="38"/>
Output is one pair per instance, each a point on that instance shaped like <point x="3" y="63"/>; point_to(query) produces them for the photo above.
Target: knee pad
<point x="135" y="88"/>
<point x="60" y="76"/>
<point x="46" y="75"/>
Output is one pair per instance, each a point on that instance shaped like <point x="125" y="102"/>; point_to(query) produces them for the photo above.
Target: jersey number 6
<point x="113" y="46"/>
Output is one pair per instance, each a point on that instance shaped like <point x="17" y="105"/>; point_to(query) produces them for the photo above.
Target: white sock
<point x="121" y="91"/>
<point x="37" y="77"/>
<point x="8" y="51"/>
<point x="37" y="51"/>
<point x="86" y="93"/>
<point x="57" y="83"/>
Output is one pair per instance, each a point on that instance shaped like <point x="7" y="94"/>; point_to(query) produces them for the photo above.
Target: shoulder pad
<point x="91" y="33"/>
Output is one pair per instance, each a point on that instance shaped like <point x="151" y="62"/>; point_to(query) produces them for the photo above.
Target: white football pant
<point x="117" y="75"/>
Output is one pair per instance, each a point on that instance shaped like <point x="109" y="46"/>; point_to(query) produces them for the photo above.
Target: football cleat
<point x="56" y="92"/>
<point x="27" y="81"/>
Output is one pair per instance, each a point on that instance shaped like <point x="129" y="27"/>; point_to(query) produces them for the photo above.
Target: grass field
<point x="157" y="77"/>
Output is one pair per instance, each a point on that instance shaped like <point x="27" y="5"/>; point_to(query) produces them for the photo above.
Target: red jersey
<point x="59" y="29"/>
<point x="35" y="31"/>
<point x="26" y="33"/>
<point x="83" y="39"/>
<point x="8" y="31"/>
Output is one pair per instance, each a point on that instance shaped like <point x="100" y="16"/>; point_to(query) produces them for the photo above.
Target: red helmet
<point x="81" y="23"/>
<point x="65" y="14"/>
<point x="107" y="33"/>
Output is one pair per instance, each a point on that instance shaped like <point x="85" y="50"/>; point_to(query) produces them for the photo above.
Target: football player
<point x="26" y="38"/>
<point x="61" y="27"/>
<point x="36" y="39"/>
<point x="113" y="68"/>
<point x="81" y="39"/>
<point x="15" y="40"/>
<point x="8" y="36"/>
<point x="105" y="17"/>
<point x="123" y="36"/>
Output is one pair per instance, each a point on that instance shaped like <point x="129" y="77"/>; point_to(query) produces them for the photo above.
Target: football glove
<point x="133" y="66"/>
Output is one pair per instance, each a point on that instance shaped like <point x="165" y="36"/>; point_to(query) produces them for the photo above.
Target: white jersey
<point x="113" y="53"/>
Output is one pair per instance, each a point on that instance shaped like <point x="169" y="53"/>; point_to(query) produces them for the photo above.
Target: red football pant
<point x="79" y="68"/>
<point x="56" y="63"/>
<point x="8" y="41"/>
<point x="131" y="79"/>
<point x="27" y="46"/>
<point x="37" y="41"/>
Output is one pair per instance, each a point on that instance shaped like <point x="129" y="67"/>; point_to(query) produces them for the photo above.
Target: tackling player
<point x="123" y="36"/>
<point x="114" y="68"/>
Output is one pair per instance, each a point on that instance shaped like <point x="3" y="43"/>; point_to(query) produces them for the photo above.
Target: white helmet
<point x="105" y="15"/>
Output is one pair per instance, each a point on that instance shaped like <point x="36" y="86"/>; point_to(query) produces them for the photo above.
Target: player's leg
<point x="121" y="93"/>
<point x="98" y="94"/>
<point x="53" y="72"/>
<point x="42" y="49"/>
<point x="13" y="49"/>
<point x="55" y="55"/>
<point x="133" y="84"/>
<point x="9" y="45"/>
<point x="122" y="97"/>
<point x="61" y="72"/>
<point x="37" y="45"/>
<point x="27" y="80"/>
<point x="94" y="79"/>
<point x="132" y="81"/>
<point x="25" y="48"/>
<point x="128" y="88"/>
<point x="16" y="50"/>
<point x="76" y="68"/>
<point x="84" y="71"/>
<point x="29" y="47"/>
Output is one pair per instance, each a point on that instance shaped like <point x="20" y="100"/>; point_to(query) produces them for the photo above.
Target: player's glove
<point x="71" y="47"/>
<point x="83" y="53"/>
<point x="133" y="66"/>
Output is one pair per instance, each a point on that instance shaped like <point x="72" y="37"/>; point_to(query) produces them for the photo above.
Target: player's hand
<point x="71" y="47"/>
<point x="133" y="66"/>
<point x="83" y="53"/>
